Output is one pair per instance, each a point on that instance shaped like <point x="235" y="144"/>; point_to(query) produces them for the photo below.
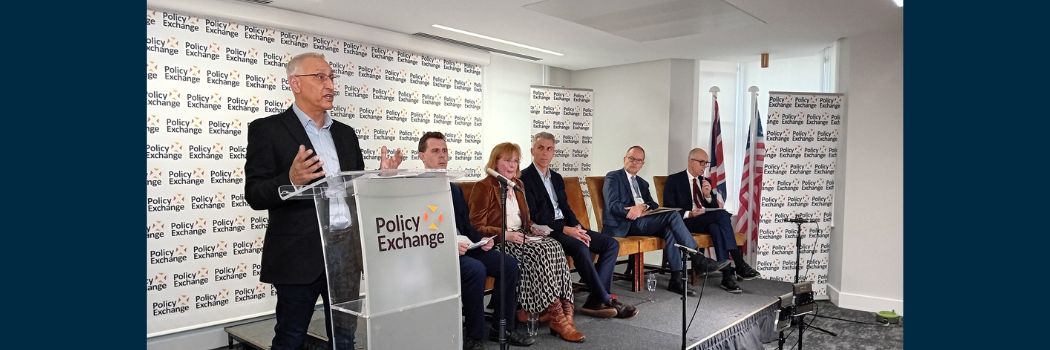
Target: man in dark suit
<point x="689" y="191"/>
<point x="627" y="199"/>
<point x="297" y="147"/>
<point x="475" y="264"/>
<point x="545" y="194"/>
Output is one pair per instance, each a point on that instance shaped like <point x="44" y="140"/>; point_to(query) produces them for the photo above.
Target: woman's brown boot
<point x="561" y="325"/>
<point x="570" y="309"/>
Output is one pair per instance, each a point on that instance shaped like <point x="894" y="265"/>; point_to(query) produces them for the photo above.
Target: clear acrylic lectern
<point x="389" y="243"/>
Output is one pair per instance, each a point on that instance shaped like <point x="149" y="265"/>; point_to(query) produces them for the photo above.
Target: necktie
<point x="634" y="186"/>
<point x="696" y="194"/>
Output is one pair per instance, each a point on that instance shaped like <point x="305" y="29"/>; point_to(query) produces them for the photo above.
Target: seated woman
<point x="545" y="283"/>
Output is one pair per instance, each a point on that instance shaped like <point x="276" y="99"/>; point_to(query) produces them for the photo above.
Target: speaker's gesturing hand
<point x="305" y="168"/>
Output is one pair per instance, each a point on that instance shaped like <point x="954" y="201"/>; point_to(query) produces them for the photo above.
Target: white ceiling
<point x="740" y="30"/>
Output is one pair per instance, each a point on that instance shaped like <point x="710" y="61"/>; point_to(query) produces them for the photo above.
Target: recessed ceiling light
<point x="486" y="37"/>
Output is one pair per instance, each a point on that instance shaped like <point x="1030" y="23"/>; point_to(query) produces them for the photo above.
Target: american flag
<point x="747" y="217"/>
<point x="717" y="172"/>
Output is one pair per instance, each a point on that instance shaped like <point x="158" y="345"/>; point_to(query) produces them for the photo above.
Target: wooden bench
<point x="628" y="247"/>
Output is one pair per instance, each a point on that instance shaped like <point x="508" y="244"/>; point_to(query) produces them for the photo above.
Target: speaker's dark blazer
<point x="678" y="192"/>
<point x="292" y="250"/>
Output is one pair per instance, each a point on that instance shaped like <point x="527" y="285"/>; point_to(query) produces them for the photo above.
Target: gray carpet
<point x="867" y="335"/>
<point x="658" y="324"/>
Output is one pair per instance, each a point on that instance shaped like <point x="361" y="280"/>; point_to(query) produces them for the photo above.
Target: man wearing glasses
<point x="690" y="191"/>
<point x="297" y="147"/>
<point x="627" y="199"/>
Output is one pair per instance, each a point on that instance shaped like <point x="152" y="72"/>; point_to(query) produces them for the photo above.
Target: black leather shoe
<point x="729" y="284"/>
<point x="515" y="338"/>
<point x="706" y="265"/>
<point x="747" y="273"/>
<point x="473" y="344"/>
<point x="676" y="287"/>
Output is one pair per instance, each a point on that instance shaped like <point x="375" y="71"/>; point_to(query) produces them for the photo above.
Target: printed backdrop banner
<point x="798" y="181"/>
<point x="206" y="79"/>
<point x="568" y="114"/>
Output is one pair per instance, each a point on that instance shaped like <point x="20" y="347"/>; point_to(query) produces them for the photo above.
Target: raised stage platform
<point x="724" y="321"/>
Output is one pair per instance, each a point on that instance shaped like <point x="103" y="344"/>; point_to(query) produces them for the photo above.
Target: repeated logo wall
<point x="569" y="115"/>
<point x="206" y="79"/>
<point x="799" y="181"/>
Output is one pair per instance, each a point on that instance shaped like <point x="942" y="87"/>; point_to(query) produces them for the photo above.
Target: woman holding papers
<point x="545" y="283"/>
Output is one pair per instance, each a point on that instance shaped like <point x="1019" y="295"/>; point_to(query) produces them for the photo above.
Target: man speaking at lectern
<point x="297" y="147"/>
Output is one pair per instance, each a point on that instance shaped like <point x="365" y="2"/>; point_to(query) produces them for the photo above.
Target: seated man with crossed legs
<point x="626" y="200"/>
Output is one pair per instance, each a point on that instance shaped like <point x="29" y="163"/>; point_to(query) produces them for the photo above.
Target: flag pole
<point x="714" y="109"/>
<point x="752" y="131"/>
<point x="717" y="168"/>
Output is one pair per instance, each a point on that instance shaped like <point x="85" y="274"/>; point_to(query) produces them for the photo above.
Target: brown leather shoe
<point x="599" y="310"/>
<point x="561" y="326"/>
<point x="623" y="310"/>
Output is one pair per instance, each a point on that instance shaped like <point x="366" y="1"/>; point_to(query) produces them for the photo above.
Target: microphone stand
<point x="685" y="291"/>
<point x="503" y="344"/>
<point x="800" y="319"/>
<point x="798" y="248"/>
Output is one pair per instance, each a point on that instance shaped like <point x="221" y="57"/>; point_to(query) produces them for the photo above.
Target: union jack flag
<point x="747" y="216"/>
<point x="717" y="173"/>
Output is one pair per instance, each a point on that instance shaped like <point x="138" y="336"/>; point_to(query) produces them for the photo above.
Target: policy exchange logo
<point x="433" y="217"/>
<point x="406" y="232"/>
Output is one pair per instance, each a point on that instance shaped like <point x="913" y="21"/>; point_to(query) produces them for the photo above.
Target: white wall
<point x="558" y="77"/>
<point x="867" y="253"/>
<point x="506" y="103"/>
<point x="631" y="107"/>
<point x="682" y="123"/>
